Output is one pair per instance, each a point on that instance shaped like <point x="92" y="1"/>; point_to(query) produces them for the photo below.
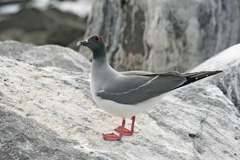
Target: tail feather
<point x="192" y="77"/>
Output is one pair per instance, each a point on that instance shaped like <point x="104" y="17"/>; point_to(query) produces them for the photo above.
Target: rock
<point x="7" y="2"/>
<point x="81" y="8"/>
<point x="48" y="55"/>
<point x="50" y="26"/>
<point x="25" y="139"/>
<point x="46" y="113"/>
<point x="164" y="35"/>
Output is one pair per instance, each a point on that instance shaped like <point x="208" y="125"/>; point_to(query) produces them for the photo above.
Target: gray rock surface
<point x="25" y="139"/>
<point x="48" y="55"/>
<point x="160" y="35"/>
<point x="49" y="26"/>
<point x="46" y="113"/>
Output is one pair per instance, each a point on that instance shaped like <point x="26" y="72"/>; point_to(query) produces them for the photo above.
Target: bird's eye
<point x="96" y="38"/>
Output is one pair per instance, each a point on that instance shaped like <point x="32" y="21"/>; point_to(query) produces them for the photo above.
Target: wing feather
<point x="135" y="87"/>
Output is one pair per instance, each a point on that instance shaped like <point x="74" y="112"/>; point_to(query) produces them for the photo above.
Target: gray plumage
<point x="132" y="87"/>
<point x="135" y="87"/>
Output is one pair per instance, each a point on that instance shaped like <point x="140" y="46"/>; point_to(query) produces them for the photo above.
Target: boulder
<point x="49" y="26"/>
<point x="47" y="55"/>
<point x="25" y="139"/>
<point x="46" y="113"/>
<point x="164" y="35"/>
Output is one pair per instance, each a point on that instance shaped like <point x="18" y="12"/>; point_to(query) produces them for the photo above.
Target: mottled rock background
<point x="154" y="35"/>
<point x="44" y="22"/>
<point x="160" y="35"/>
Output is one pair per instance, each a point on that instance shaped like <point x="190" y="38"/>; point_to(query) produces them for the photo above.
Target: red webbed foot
<point x="123" y="131"/>
<point x="111" y="137"/>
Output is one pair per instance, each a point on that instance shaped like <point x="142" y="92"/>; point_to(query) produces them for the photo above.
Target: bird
<point x="128" y="93"/>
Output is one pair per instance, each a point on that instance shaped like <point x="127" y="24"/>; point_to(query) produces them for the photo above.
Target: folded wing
<point x="135" y="87"/>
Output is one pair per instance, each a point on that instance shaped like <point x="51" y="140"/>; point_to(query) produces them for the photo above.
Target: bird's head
<point x="95" y="44"/>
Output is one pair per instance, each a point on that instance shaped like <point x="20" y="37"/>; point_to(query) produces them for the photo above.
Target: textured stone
<point x="49" y="26"/>
<point x="48" y="55"/>
<point x="25" y="139"/>
<point x="46" y="113"/>
<point x="160" y="35"/>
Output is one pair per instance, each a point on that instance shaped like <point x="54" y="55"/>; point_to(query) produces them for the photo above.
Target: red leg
<point x="123" y="122"/>
<point x="124" y="131"/>
<point x="133" y="123"/>
<point x="119" y="128"/>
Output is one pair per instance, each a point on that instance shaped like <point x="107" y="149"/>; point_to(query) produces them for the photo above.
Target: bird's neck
<point x="99" y="53"/>
<point x="99" y="59"/>
<point x="101" y="66"/>
<point x="100" y="69"/>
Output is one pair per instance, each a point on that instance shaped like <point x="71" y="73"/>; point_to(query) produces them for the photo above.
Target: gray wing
<point x="146" y="73"/>
<point x="138" y="73"/>
<point x="136" y="86"/>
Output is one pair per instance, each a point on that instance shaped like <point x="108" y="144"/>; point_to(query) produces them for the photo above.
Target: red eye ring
<point x="97" y="38"/>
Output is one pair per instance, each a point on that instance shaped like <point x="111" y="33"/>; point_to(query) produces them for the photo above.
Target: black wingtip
<point x="214" y="72"/>
<point x="219" y="71"/>
<point x="196" y="76"/>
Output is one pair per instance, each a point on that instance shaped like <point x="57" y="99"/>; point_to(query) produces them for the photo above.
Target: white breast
<point x="117" y="109"/>
<point x="123" y="110"/>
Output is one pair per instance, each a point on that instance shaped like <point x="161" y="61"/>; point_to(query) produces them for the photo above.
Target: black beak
<point x="82" y="43"/>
